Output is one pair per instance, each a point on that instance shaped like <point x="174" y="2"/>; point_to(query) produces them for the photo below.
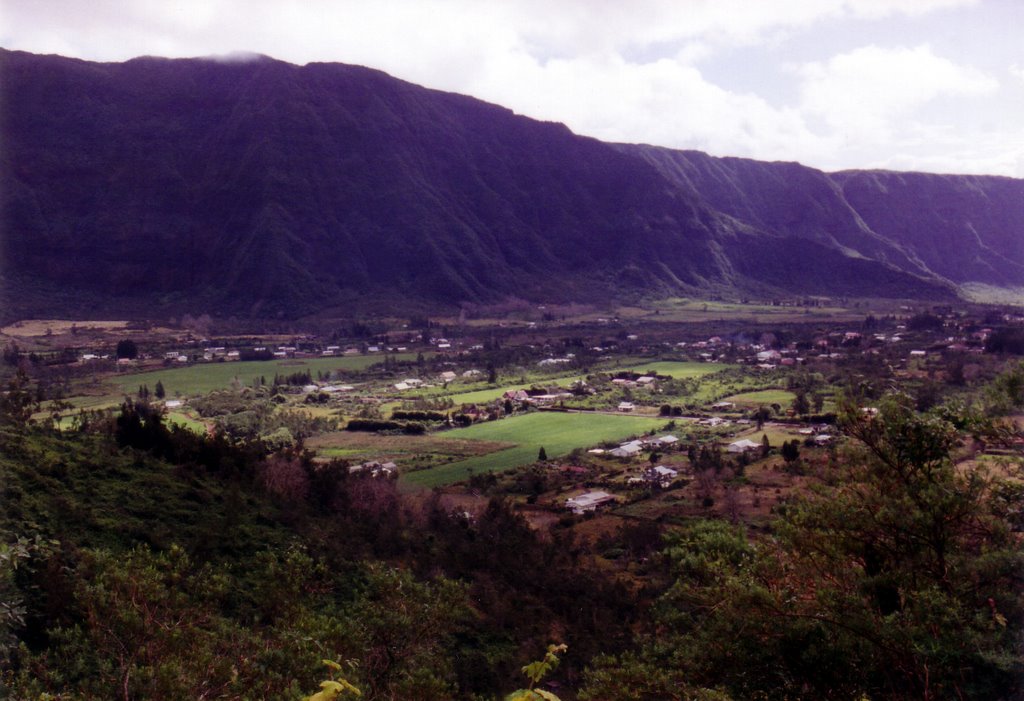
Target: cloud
<point x="655" y="71"/>
<point x="325" y="29"/>
<point x="663" y="102"/>
<point x="863" y="93"/>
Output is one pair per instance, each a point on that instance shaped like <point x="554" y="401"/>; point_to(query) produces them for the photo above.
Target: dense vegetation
<point x="142" y="561"/>
<point x="154" y="563"/>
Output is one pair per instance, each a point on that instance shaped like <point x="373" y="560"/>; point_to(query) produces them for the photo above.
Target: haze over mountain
<point x="263" y="188"/>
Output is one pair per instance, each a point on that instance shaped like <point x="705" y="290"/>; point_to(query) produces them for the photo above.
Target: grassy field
<point x="180" y="419"/>
<point x="557" y="433"/>
<point x="677" y="369"/>
<point x="776" y="436"/>
<point x="678" y="309"/>
<point x="359" y="446"/>
<point x="485" y="395"/>
<point x="667" y="367"/>
<point x="764" y="396"/>
<point x="205" y="377"/>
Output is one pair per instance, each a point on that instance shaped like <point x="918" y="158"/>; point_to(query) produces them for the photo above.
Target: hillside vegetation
<point x="142" y="561"/>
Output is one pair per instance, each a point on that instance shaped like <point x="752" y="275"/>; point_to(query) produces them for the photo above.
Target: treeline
<point x="379" y="425"/>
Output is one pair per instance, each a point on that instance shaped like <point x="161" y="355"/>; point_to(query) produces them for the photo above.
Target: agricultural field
<point x="206" y="377"/>
<point x="44" y="327"/>
<point x="777" y="435"/>
<point x="557" y="433"/>
<point x="685" y="310"/>
<point x="765" y="397"/>
<point x="679" y="370"/>
<point x="357" y="446"/>
<point x="483" y="396"/>
<point x="178" y="418"/>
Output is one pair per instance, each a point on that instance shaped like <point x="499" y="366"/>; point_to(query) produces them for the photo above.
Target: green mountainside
<point x="262" y="188"/>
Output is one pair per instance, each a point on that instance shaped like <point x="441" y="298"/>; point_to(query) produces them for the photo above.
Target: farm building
<point x="627" y="450"/>
<point x="590" y="501"/>
<point x="743" y="446"/>
<point x="660" y="475"/>
<point x="376" y="468"/>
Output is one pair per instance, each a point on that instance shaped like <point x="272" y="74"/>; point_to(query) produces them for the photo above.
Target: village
<point x="638" y="419"/>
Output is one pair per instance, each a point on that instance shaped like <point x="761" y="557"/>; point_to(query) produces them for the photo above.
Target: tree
<point x="127" y="348"/>
<point x="791" y="450"/>
<point x="800" y="404"/>
<point x="900" y="580"/>
<point x="542" y="455"/>
<point x="817" y="401"/>
<point x="17" y="401"/>
<point x="535" y="671"/>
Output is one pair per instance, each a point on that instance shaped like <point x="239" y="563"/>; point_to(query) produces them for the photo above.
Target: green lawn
<point x="678" y="369"/>
<point x="776" y="436"/>
<point x="557" y="433"/>
<point x="764" y="396"/>
<point x="205" y="377"/>
<point x="176" y="417"/>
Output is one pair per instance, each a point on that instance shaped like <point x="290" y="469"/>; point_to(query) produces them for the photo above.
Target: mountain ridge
<point x="263" y="188"/>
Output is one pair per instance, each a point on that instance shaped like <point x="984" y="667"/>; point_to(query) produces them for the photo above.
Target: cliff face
<point x="964" y="228"/>
<point x="953" y="227"/>
<point x="267" y="188"/>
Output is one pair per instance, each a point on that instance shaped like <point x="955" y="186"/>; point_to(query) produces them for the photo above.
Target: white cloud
<point x="862" y="94"/>
<point x="625" y="71"/>
<point x="323" y="29"/>
<point x="661" y="102"/>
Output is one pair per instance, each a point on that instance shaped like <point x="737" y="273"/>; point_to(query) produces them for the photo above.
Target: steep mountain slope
<point x="957" y="228"/>
<point x="266" y="188"/>
<point x="964" y="228"/>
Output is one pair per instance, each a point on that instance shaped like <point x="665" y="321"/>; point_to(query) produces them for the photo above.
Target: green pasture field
<point x="677" y="309"/>
<point x="206" y="377"/>
<point x="557" y="433"/>
<point x="764" y="396"/>
<point x="180" y="419"/>
<point x="357" y="446"/>
<point x="678" y="369"/>
<point x="776" y="436"/>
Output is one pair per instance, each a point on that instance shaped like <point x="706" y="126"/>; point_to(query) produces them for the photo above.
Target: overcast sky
<point x="933" y="85"/>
